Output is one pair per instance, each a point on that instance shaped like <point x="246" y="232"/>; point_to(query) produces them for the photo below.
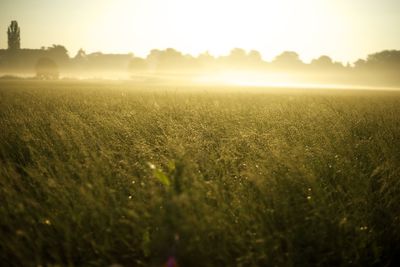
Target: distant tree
<point x="360" y="64"/>
<point x="388" y="60"/>
<point x="240" y="59"/>
<point x="58" y="53"/>
<point x="206" y="57"/>
<point x="237" y="54"/>
<point x="382" y="68"/>
<point x="46" y="69"/>
<point x="137" y="64"/>
<point x="255" y="56"/>
<point x="14" y="39"/>
<point x="80" y="55"/>
<point x="206" y="61"/>
<point x="288" y="59"/>
<point x="166" y="59"/>
<point x="385" y="59"/>
<point x="325" y="63"/>
<point x="236" y="59"/>
<point x="322" y="61"/>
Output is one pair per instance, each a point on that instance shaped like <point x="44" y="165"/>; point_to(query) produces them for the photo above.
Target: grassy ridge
<point x="103" y="174"/>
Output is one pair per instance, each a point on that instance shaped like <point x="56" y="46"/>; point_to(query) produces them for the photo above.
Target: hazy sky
<point x="343" y="29"/>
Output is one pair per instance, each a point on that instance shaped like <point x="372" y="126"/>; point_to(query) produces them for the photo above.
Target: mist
<point x="169" y="66"/>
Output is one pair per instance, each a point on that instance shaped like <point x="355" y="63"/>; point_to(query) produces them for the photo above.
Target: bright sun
<point x="218" y="26"/>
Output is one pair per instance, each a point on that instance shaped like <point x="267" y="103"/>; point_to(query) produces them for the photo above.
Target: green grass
<point x="93" y="175"/>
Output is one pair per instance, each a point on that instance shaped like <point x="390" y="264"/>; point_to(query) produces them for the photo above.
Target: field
<point x="101" y="174"/>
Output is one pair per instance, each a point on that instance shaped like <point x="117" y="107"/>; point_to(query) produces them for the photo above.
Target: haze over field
<point x="254" y="43"/>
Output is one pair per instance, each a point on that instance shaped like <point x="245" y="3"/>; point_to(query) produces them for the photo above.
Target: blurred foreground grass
<point x="94" y="175"/>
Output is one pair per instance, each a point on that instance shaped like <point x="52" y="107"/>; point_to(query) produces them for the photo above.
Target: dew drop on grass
<point x="151" y="165"/>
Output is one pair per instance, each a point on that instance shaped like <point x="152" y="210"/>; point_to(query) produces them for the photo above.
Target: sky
<point x="342" y="29"/>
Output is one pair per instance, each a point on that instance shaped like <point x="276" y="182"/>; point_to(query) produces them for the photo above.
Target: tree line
<point x="382" y="66"/>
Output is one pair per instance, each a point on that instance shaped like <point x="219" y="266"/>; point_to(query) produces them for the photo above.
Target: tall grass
<point x="94" y="175"/>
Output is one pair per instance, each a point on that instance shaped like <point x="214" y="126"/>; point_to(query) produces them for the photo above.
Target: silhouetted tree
<point x="80" y="55"/>
<point x="206" y="61"/>
<point x="288" y="59"/>
<point x="236" y="59"/>
<point x="166" y="59"/>
<point x="46" y="69"/>
<point x="382" y="68"/>
<point x="322" y="61"/>
<point x="325" y="63"/>
<point x="206" y="58"/>
<point x="360" y="64"/>
<point x="384" y="60"/>
<point x="240" y="59"/>
<point x="58" y="53"/>
<point x="14" y="40"/>
<point x="255" y="56"/>
<point x="381" y="61"/>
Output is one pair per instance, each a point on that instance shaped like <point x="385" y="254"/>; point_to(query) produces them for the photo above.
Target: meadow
<point x="100" y="174"/>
